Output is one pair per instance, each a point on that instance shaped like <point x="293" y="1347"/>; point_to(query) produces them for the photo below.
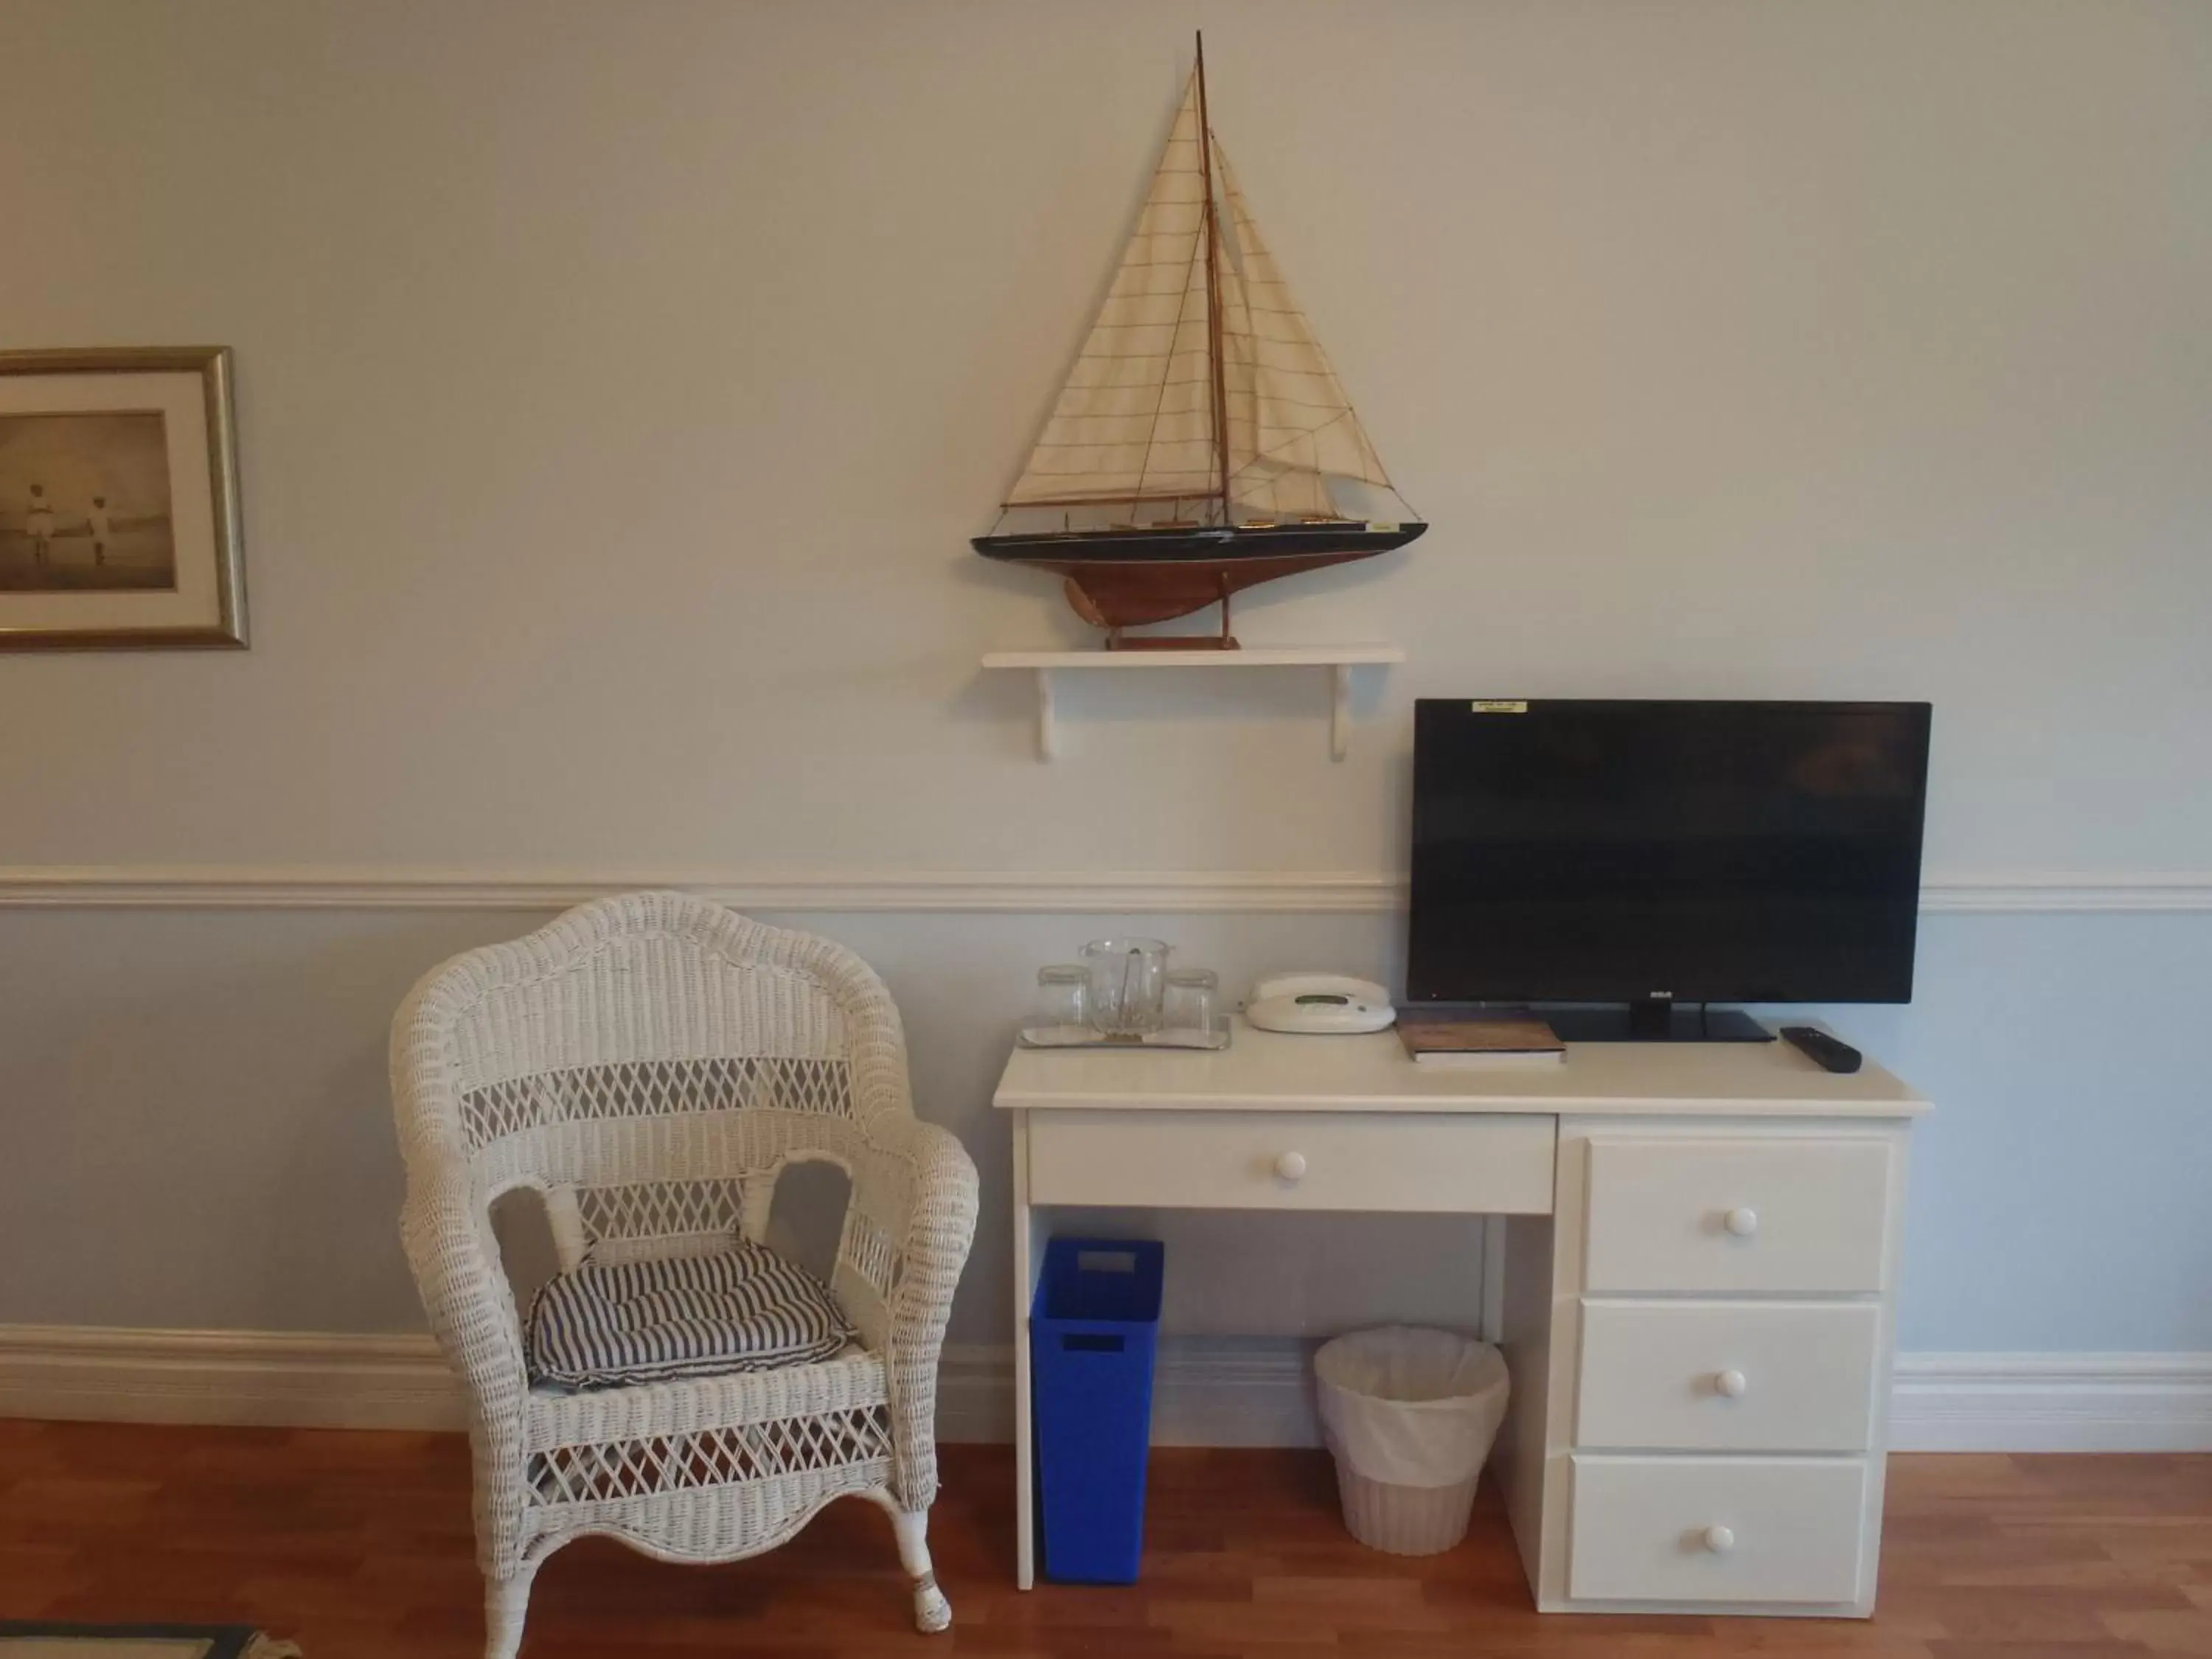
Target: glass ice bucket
<point x="1128" y="977"/>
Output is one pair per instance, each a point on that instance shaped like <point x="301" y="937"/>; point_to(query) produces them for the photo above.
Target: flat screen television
<point x="1647" y="854"/>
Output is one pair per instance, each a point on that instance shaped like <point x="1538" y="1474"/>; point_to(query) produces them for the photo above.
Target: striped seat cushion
<point x="745" y="1309"/>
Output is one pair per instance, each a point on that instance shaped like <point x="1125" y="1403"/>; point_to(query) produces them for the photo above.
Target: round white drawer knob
<point x="1719" y="1539"/>
<point x="1730" y="1383"/>
<point x="1292" y="1166"/>
<point x="1742" y="1222"/>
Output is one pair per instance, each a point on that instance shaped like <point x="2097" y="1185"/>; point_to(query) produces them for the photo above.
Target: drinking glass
<point x="1188" y="1004"/>
<point x="1064" y="994"/>
<point x="1126" y="979"/>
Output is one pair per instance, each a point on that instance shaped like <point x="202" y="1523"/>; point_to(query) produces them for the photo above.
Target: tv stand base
<point x="1655" y="1022"/>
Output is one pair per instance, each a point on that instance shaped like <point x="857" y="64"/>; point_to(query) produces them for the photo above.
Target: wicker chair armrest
<point x="468" y="1299"/>
<point x="447" y="1233"/>
<point x="931" y="1216"/>
<point x="936" y="1227"/>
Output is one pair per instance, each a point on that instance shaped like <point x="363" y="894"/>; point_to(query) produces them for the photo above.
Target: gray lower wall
<point x="198" y="1134"/>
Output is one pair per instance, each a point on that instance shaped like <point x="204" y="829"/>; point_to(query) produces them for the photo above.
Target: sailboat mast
<point x="1213" y="287"/>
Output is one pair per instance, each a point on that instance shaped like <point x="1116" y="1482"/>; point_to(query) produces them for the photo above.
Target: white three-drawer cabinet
<point x="1691" y="1267"/>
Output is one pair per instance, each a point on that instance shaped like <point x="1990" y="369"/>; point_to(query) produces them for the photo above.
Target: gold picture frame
<point x="120" y="510"/>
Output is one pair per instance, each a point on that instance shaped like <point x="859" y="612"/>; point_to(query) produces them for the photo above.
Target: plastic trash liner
<point x="1409" y="1414"/>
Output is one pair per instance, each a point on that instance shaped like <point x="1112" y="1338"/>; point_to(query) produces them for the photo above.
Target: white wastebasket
<point x="1409" y="1415"/>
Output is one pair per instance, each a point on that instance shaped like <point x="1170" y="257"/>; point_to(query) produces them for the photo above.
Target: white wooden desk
<point x="1692" y="1267"/>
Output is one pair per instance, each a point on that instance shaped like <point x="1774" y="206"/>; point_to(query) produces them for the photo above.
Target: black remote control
<point x="1829" y="1054"/>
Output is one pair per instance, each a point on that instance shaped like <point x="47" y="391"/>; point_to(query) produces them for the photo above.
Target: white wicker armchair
<point x="650" y="1064"/>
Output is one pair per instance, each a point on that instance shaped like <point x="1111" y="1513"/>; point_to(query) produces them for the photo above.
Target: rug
<point x="53" y="1641"/>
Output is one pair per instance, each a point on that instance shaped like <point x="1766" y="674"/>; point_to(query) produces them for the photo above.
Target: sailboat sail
<point x="1291" y="426"/>
<point x="1135" y="423"/>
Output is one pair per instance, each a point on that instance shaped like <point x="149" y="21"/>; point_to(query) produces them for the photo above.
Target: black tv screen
<point x="1569" y="851"/>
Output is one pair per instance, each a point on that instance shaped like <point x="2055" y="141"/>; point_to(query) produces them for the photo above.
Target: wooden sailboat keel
<point x="1202" y="443"/>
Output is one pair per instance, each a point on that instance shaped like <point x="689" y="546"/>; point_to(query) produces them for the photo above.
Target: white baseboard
<point x="976" y="1393"/>
<point x="1203" y="1394"/>
<point x="2055" y="1402"/>
<point x="1206" y="1393"/>
<point x="281" y="1378"/>
<point x="1260" y="1394"/>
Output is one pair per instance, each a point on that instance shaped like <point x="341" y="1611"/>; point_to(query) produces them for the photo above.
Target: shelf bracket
<point x="1340" y="712"/>
<point x="1048" y="739"/>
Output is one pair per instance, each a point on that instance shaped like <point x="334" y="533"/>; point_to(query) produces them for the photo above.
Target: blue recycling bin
<point x="1094" y="1331"/>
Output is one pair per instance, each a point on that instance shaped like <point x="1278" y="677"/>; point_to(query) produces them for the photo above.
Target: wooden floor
<point x="358" y="1545"/>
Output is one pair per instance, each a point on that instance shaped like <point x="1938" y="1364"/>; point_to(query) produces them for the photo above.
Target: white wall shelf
<point x="1339" y="660"/>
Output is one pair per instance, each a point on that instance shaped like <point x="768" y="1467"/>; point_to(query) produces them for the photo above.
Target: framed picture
<point x="118" y="500"/>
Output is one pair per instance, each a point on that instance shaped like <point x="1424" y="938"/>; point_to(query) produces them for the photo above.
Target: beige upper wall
<point x="618" y="386"/>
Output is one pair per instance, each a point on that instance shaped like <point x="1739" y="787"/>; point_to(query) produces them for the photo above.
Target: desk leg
<point x="1026" y="1263"/>
<point x="1493" y="1278"/>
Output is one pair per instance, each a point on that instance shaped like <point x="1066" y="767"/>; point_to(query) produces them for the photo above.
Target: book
<point x="1502" y="1039"/>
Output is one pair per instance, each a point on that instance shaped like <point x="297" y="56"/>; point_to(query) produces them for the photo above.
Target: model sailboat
<point x="1202" y="444"/>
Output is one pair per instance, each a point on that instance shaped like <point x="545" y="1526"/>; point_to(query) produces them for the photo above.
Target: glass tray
<point x="1041" y="1035"/>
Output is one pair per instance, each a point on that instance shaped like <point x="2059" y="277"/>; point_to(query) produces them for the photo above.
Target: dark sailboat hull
<point x="1125" y="578"/>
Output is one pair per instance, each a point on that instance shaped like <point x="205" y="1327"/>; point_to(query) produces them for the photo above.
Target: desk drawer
<point x="1727" y="1376"/>
<point x="1779" y="1214"/>
<point x="1716" y="1530"/>
<point x="1500" y="1164"/>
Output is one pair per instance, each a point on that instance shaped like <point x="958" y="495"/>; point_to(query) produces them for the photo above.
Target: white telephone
<point x="1329" y="1004"/>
